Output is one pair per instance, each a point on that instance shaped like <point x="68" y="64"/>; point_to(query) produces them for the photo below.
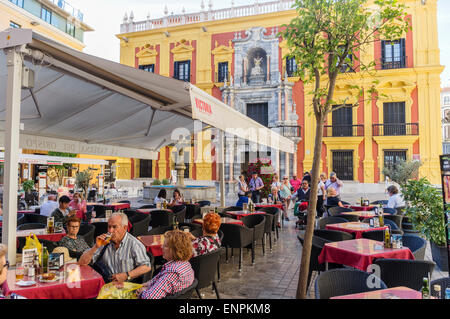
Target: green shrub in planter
<point x="156" y="182"/>
<point x="426" y="212"/>
<point x="165" y="181"/>
<point x="28" y="186"/>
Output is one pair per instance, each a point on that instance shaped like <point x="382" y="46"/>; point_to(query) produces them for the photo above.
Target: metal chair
<point x="331" y="220"/>
<point x="339" y="282"/>
<point x="402" y="272"/>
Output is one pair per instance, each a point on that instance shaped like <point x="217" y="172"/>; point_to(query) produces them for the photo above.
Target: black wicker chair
<point x="91" y="195"/>
<point x="29" y="226"/>
<point x="140" y="223"/>
<point x="236" y="236"/>
<point x="339" y="282"/>
<point x="203" y="203"/>
<point x="336" y="210"/>
<point x="194" y="229"/>
<point x="179" y="212"/>
<point x="397" y="219"/>
<point x="192" y="210"/>
<point x="147" y="206"/>
<point x="402" y="272"/>
<point x="100" y="211"/>
<point x="416" y="244"/>
<point x="377" y="235"/>
<point x="331" y="220"/>
<point x="87" y="233"/>
<point x="185" y="293"/>
<point x="158" y="230"/>
<point x="275" y="211"/>
<point x="232" y="209"/>
<point x="161" y="218"/>
<point x="443" y="282"/>
<point x="205" y="268"/>
<point x="29" y="218"/>
<point x="257" y="223"/>
<point x="388" y="210"/>
<point x="100" y="228"/>
<point x="268" y="229"/>
<point x="332" y="235"/>
<point x="349" y="218"/>
<point x="391" y="224"/>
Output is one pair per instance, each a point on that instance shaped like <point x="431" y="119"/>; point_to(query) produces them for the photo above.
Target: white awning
<point x="55" y="160"/>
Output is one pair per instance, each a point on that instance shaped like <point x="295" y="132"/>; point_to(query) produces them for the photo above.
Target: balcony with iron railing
<point x="396" y="129"/>
<point x="398" y="63"/>
<point x="289" y="131"/>
<point x="129" y="25"/>
<point x="343" y="130"/>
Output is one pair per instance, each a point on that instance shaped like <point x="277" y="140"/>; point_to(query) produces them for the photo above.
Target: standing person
<point x="49" y="206"/>
<point x="334" y="182"/>
<point x="243" y="187"/>
<point x="256" y="184"/>
<point x="295" y="182"/>
<point x="321" y="195"/>
<point x="62" y="213"/>
<point x="286" y="195"/>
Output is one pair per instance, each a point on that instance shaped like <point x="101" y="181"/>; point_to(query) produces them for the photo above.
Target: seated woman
<point x="210" y="241"/>
<point x="78" y="204"/>
<point x="177" y="199"/>
<point x="332" y="198"/>
<point x="273" y="197"/>
<point x="4" y="266"/>
<point x="161" y="198"/>
<point x="395" y="199"/>
<point x="247" y="199"/>
<point x="76" y="245"/>
<point x="175" y="275"/>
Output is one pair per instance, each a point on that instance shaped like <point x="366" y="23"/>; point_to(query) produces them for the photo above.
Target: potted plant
<point x="82" y="180"/>
<point x="165" y="181"/>
<point x="156" y="182"/>
<point x="28" y="186"/>
<point x="426" y="211"/>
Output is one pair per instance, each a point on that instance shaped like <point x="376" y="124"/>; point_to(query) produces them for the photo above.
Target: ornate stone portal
<point x="258" y="81"/>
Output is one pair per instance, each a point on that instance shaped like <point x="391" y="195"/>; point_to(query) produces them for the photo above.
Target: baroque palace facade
<point x="235" y="55"/>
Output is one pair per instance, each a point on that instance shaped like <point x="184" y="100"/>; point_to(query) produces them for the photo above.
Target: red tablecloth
<point x="87" y="288"/>
<point x="360" y="208"/>
<point x="153" y="244"/>
<point x="356" y="228"/>
<point x="112" y="206"/>
<point x="223" y="220"/>
<point x="391" y="293"/>
<point x="360" y="253"/>
<point x="279" y="206"/>
<point x="242" y="213"/>
<point x="41" y="234"/>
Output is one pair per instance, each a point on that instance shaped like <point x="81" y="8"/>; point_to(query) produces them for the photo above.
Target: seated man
<point x="303" y="192"/>
<point x="247" y="199"/>
<point x="62" y="213"/>
<point x="125" y="255"/>
<point x="75" y="244"/>
<point x="49" y="206"/>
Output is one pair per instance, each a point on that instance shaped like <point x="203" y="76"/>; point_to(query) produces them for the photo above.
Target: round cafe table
<point x="41" y="234"/>
<point x="153" y="244"/>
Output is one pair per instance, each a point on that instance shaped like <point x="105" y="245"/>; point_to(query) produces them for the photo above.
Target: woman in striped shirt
<point x="175" y="275"/>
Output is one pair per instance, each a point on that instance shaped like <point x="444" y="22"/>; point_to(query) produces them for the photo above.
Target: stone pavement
<point x="275" y="274"/>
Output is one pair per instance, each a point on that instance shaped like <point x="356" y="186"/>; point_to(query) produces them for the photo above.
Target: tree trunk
<point x="307" y="244"/>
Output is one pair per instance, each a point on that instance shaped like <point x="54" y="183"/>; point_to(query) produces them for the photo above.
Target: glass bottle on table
<point x="387" y="238"/>
<point x="45" y="260"/>
<point x="425" y="289"/>
<point x="437" y="291"/>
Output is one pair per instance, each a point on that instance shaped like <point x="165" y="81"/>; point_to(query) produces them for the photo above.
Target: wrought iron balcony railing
<point x="395" y="129"/>
<point x="343" y="130"/>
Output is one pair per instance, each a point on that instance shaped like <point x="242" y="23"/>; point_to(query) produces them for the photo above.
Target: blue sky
<point x="105" y="16"/>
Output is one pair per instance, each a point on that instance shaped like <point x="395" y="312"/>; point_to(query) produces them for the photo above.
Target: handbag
<point x="103" y="269"/>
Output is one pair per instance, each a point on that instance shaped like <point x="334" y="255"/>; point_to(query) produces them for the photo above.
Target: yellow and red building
<point x="235" y="55"/>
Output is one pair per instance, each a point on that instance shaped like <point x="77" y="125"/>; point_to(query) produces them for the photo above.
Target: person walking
<point x="321" y="195"/>
<point x="334" y="182"/>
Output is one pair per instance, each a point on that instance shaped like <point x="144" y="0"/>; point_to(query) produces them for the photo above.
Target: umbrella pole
<point x="221" y="169"/>
<point x="13" y="97"/>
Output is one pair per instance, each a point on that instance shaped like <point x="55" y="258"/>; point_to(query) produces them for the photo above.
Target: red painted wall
<point x="194" y="63"/>
<point x="158" y="59"/>
<point x="222" y="39"/>
<point x="415" y="106"/>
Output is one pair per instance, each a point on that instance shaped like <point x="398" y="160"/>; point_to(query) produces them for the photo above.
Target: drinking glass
<point x="245" y="206"/>
<point x="20" y="272"/>
<point x="103" y="242"/>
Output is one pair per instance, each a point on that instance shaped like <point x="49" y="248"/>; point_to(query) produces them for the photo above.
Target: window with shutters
<point x="394" y="118"/>
<point x="145" y="168"/>
<point x="393" y="54"/>
<point x="342" y="121"/>
<point x="258" y="112"/>
<point x="222" y="72"/>
<point x="182" y="70"/>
